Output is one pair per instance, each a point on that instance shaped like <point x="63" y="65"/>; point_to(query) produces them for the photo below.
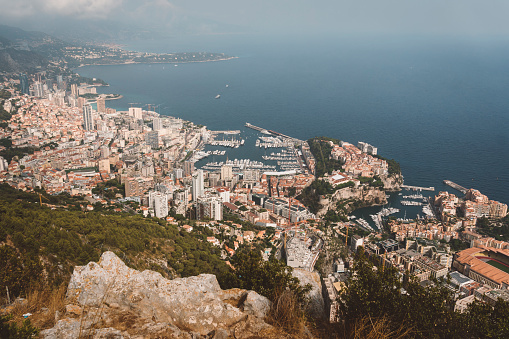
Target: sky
<point x="174" y="17"/>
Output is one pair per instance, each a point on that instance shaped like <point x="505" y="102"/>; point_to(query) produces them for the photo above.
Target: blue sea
<point x="439" y="106"/>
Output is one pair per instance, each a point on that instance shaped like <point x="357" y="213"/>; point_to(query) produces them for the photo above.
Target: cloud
<point x="56" y="8"/>
<point x="82" y="8"/>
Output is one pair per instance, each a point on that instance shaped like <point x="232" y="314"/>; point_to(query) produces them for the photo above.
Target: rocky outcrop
<point x="393" y="182"/>
<point x="315" y="306"/>
<point x="363" y="195"/>
<point x="110" y="300"/>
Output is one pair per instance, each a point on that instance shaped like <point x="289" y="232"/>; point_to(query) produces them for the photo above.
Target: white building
<point x="198" y="185"/>
<point x="158" y="202"/>
<point x="226" y="172"/>
<point x="88" y="118"/>
<point x="135" y="112"/>
<point x="210" y="207"/>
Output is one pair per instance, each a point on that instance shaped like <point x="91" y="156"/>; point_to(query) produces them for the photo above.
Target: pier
<point x="265" y="131"/>
<point x="455" y="186"/>
<point x="417" y="188"/>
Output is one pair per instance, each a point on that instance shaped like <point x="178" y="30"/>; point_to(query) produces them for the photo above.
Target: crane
<point x="40" y="198"/>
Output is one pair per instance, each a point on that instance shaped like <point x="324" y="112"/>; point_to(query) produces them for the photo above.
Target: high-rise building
<point x="88" y="119"/>
<point x="157" y="124"/>
<point x="178" y="173"/>
<point x="101" y="105"/>
<point x="60" y="82"/>
<point x="74" y="90"/>
<point x="152" y="139"/>
<point x="38" y="89"/>
<point x="81" y="102"/>
<point x="198" y="185"/>
<point x="135" y="112"/>
<point x="159" y="203"/>
<point x="188" y="167"/>
<point x="210" y="207"/>
<point x="23" y="83"/>
<point x="226" y="172"/>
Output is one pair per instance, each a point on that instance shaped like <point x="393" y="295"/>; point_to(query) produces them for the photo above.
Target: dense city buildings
<point x="156" y="161"/>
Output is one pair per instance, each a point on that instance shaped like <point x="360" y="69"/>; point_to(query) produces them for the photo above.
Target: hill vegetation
<point x="407" y="309"/>
<point x="321" y="149"/>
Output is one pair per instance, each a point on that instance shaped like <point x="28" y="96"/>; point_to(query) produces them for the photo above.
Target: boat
<point x="218" y="96"/>
<point x="227" y="86"/>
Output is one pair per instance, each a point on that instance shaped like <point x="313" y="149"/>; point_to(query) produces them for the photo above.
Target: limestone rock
<point x="256" y="304"/>
<point x="73" y="310"/>
<point x="316" y="305"/>
<point x="119" y="302"/>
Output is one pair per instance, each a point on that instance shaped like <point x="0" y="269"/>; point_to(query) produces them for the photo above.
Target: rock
<point x="109" y="333"/>
<point x="194" y="304"/>
<point x="315" y="306"/>
<point x="65" y="328"/>
<point x="256" y="305"/>
<point x="252" y="327"/>
<point x="219" y="334"/>
<point x="73" y="310"/>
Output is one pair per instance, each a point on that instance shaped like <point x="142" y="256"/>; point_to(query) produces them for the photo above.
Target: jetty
<point x="270" y="132"/>
<point x="455" y="186"/>
<point x="417" y="188"/>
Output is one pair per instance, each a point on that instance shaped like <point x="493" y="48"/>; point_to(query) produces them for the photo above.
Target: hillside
<point x="41" y="245"/>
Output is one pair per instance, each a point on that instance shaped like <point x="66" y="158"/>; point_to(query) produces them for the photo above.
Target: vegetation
<point x="321" y="150"/>
<point x="53" y="241"/>
<point x="10" y="152"/>
<point x="10" y="330"/>
<point x="394" y="167"/>
<point x="426" y="312"/>
<point x="498" y="230"/>
<point x="4" y="94"/>
<point x="109" y="189"/>
<point x="269" y="278"/>
<point x="4" y="115"/>
<point x="78" y="79"/>
<point x="310" y="196"/>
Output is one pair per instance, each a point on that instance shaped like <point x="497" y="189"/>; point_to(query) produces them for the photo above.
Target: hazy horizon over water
<point x="438" y="106"/>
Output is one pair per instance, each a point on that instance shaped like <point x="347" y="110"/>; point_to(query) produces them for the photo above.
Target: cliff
<point x="108" y="299"/>
<point x="361" y="196"/>
<point x="354" y="197"/>
<point x="392" y="183"/>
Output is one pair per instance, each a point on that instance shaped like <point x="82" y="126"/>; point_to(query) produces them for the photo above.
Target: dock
<point x="417" y="188"/>
<point x="455" y="186"/>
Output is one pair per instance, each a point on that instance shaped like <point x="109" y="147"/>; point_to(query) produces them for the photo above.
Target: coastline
<point x="157" y="62"/>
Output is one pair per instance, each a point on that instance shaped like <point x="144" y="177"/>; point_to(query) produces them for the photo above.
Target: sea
<point x="438" y="105"/>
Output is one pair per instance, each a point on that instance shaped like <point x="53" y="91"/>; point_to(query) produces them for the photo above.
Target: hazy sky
<point x="465" y="17"/>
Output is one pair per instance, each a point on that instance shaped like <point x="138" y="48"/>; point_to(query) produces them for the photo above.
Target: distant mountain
<point x="14" y="60"/>
<point x="22" y="50"/>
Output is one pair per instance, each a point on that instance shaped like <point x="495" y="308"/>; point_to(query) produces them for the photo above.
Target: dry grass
<point x="364" y="328"/>
<point x="287" y="314"/>
<point x="42" y="304"/>
<point x="368" y="328"/>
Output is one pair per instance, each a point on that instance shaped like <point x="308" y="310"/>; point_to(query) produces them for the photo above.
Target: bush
<point x="10" y="330"/>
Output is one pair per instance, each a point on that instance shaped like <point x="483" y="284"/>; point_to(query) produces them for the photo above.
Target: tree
<point x="269" y="278"/>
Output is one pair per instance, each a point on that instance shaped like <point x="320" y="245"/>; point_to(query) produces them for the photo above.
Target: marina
<point x="411" y="203"/>
<point x="417" y="188"/>
<point x="238" y="164"/>
<point x="377" y="217"/>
